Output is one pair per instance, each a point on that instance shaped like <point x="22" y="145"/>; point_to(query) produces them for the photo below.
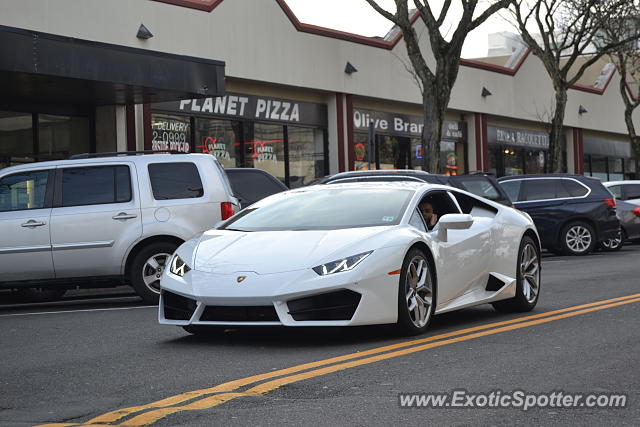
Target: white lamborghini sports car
<point x="353" y="254"/>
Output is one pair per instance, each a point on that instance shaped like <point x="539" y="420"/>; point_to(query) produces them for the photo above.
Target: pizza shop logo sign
<point x="243" y="106"/>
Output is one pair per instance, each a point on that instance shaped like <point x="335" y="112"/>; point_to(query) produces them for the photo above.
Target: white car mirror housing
<point x="453" y="222"/>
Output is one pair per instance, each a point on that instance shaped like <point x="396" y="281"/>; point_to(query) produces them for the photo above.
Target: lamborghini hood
<point x="267" y="252"/>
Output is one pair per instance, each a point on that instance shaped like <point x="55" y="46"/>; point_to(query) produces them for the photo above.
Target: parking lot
<point x="77" y="361"/>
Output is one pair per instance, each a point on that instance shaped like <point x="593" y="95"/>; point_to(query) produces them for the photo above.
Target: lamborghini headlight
<point x="178" y="266"/>
<point x="344" y="264"/>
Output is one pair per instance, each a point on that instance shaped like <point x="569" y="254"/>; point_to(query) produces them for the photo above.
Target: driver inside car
<point x="430" y="217"/>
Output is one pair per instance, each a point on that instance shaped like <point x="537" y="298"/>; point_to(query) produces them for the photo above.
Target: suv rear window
<point x="252" y="185"/>
<point x="479" y="187"/>
<point x="632" y="191"/>
<point x="95" y="185"/>
<point x="171" y="181"/>
<point x="572" y="189"/>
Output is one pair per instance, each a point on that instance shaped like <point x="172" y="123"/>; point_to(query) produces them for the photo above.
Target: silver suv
<point x="96" y="221"/>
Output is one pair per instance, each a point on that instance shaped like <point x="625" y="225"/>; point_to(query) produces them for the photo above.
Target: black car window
<point x="632" y="191"/>
<point x="95" y="185"/>
<point x="512" y="188"/>
<point x="252" y="185"/>
<point x="24" y="190"/>
<point x="468" y="204"/>
<point x="573" y="188"/>
<point x="539" y="189"/>
<point x="479" y="187"/>
<point x="175" y="181"/>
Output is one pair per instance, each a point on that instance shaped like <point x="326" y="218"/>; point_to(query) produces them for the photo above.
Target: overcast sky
<point x="356" y="16"/>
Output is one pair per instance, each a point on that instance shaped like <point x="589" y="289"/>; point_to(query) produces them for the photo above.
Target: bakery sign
<point x="517" y="137"/>
<point x="403" y="124"/>
<point x="252" y="107"/>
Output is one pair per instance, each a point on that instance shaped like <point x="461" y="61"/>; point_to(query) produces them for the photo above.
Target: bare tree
<point x="627" y="58"/>
<point x="436" y="83"/>
<point x="568" y="40"/>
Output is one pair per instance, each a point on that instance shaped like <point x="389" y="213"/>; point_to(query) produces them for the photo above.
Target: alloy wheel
<point x="578" y="238"/>
<point x="613" y="244"/>
<point x="530" y="272"/>
<point x="419" y="291"/>
<point x="152" y="271"/>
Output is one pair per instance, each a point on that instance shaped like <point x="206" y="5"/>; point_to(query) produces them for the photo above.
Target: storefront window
<point x="220" y="138"/>
<point x="513" y="161"/>
<point x="535" y="161"/>
<point x="599" y="167"/>
<point x="264" y="148"/>
<point x="306" y="155"/>
<point x="16" y="138"/>
<point x="62" y="136"/>
<point x="616" y="169"/>
<point x="452" y="158"/>
<point x="170" y="132"/>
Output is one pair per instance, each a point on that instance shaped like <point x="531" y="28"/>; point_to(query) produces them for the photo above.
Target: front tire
<point x="416" y="293"/>
<point x="577" y="238"/>
<point x="147" y="267"/>
<point x="527" y="279"/>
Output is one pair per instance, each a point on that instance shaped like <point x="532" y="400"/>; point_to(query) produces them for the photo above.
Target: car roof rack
<point x="122" y="153"/>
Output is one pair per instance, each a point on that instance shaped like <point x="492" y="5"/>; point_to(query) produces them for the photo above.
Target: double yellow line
<point x="210" y="397"/>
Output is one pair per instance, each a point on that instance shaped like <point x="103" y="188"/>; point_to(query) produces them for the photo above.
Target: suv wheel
<point x="614" y="244"/>
<point x="147" y="268"/>
<point x="577" y="238"/>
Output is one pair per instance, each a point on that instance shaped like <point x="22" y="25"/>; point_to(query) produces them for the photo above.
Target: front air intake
<point x="221" y="313"/>
<point x="338" y="305"/>
<point x="177" y="307"/>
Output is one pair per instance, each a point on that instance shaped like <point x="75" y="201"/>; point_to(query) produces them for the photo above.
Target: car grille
<point x="338" y="305"/>
<point x="177" y="307"/>
<point x="218" y="313"/>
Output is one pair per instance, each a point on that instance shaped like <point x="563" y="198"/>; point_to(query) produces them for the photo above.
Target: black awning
<point x="39" y="69"/>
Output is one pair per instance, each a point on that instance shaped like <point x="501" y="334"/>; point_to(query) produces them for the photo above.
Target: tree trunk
<point x="434" y="107"/>
<point x="631" y="129"/>
<point x="556" y="138"/>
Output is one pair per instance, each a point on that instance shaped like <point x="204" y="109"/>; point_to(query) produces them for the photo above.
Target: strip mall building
<point x="246" y="81"/>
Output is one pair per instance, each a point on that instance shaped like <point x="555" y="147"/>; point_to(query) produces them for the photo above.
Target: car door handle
<point x="124" y="215"/>
<point x="33" y="223"/>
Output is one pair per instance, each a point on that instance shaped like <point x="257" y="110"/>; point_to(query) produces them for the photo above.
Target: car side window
<point x="632" y="191"/>
<point x="573" y="189"/>
<point x="539" y="189"/>
<point x="95" y="185"/>
<point x="24" y="190"/>
<point x="171" y="181"/>
<point x="512" y="188"/>
<point x="417" y="221"/>
<point x="616" y="190"/>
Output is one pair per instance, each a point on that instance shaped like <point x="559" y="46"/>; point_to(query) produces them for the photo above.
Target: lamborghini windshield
<point x="326" y="209"/>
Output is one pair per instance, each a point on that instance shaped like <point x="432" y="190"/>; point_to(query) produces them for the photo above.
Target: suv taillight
<point x="636" y="211"/>
<point x="226" y="210"/>
<point x="610" y="202"/>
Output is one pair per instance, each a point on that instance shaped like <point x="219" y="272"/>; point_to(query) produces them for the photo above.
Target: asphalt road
<point x="78" y="360"/>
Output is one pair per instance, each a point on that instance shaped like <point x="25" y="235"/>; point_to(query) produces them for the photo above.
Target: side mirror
<point x="453" y="222"/>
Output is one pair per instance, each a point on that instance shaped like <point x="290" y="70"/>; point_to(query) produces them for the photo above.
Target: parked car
<point x="478" y="183"/>
<point x="250" y="185"/>
<point x="628" y="191"/>
<point x="629" y="215"/>
<point x="353" y="254"/>
<point x="573" y="213"/>
<point x="99" y="219"/>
